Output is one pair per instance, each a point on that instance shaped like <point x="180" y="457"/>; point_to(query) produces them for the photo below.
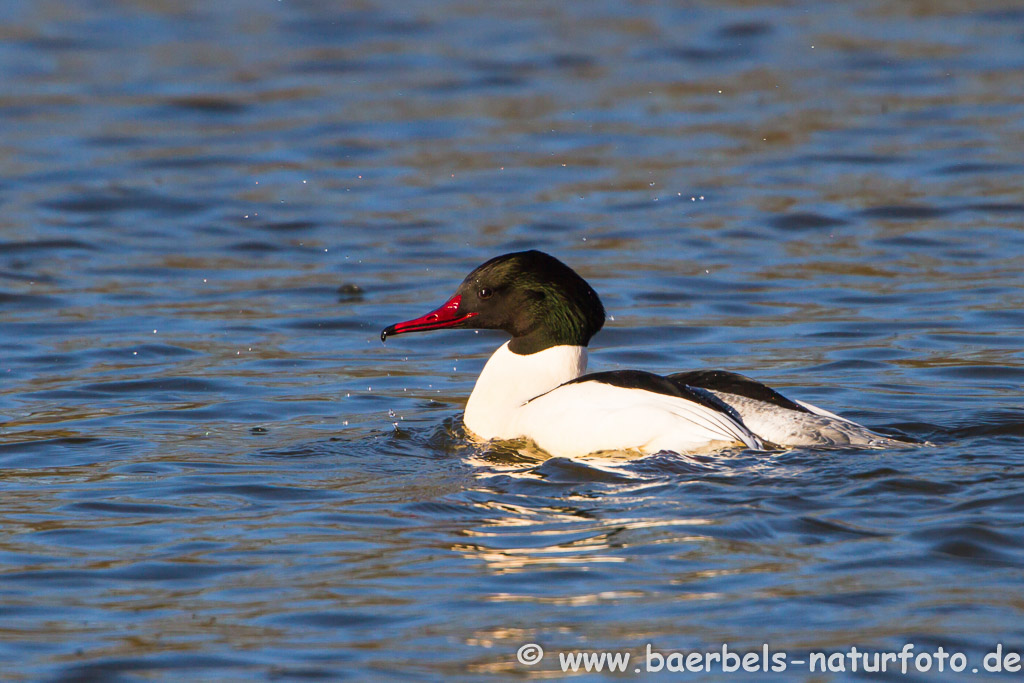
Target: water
<point x="213" y="470"/>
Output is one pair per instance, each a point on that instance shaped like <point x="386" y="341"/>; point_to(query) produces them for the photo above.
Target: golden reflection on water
<point x="518" y="537"/>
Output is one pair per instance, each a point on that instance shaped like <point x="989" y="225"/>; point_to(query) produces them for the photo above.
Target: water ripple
<point x="213" y="470"/>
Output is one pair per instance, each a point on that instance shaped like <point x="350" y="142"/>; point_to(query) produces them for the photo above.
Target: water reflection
<point x="211" y="466"/>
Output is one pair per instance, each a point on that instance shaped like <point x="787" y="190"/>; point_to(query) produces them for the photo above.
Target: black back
<point x="733" y="383"/>
<point x="648" y="381"/>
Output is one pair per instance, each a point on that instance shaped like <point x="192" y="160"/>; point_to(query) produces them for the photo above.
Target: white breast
<point x="509" y="380"/>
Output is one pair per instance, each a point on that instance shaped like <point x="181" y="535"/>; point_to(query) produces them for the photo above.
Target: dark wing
<point x="648" y="381"/>
<point x="732" y="383"/>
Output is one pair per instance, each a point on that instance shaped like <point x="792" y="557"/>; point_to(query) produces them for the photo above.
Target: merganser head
<point x="534" y="297"/>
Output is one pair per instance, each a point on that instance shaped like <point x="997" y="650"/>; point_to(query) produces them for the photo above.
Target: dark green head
<point x="534" y="297"/>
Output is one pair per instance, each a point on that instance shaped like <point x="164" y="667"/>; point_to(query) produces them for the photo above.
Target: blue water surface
<point x="211" y="469"/>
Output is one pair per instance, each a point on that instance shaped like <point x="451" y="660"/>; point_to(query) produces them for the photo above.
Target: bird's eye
<point x="485" y="292"/>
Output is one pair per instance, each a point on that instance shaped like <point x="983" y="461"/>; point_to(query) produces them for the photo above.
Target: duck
<point x="536" y="387"/>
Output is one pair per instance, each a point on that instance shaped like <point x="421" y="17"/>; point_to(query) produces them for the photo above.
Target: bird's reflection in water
<point x="544" y="513"/>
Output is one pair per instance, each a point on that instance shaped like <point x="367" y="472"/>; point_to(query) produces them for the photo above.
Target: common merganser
<point x="533" y="386"/>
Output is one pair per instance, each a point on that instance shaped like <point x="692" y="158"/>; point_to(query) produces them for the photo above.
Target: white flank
<point x="591" y="416"/>
<point x="522" y="397"/>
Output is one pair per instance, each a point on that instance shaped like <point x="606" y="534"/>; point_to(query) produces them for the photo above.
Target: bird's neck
<point x="509" y="380"/>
